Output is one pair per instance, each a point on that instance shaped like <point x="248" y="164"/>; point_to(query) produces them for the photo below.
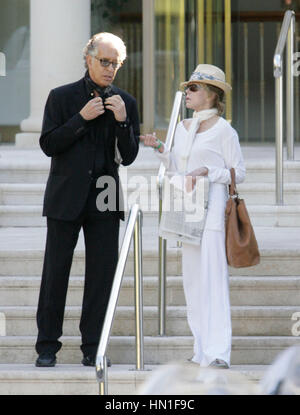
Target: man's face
<point x="103" y="76"/>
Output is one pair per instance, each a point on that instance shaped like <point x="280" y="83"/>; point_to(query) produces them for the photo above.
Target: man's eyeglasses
<point x="105" y="63"/>
<point x="194" y="87"/>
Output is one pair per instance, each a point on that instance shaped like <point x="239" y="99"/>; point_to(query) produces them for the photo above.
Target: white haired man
<point x="89" y="128"/>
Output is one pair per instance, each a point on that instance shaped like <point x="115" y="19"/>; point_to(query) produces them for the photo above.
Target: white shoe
<point x="219" y="363"/>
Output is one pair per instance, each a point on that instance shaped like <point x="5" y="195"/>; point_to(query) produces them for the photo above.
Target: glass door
<point x="169" y="56"/>
<point x="256" y="26"/>
<point x="188" y="32"/>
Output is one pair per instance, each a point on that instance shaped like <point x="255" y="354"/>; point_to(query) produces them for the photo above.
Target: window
<point x="15" y="85"/>
<point x="124" y="19"/>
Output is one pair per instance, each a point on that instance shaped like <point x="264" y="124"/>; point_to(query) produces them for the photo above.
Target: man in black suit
<point x="89" y="128"/>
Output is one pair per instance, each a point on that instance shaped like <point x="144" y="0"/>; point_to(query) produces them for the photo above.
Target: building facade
<point x="41" y="44"/>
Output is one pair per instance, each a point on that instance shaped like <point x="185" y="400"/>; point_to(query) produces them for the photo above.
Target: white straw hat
<point x="208" y="74"/>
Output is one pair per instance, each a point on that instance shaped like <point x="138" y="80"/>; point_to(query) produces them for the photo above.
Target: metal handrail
<point x="286" y="37"/>
<point x="162" y="243"/>
<point x="134" y="225"/>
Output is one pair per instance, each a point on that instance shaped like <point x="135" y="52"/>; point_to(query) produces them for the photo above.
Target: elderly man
<point x="89" y="128"/>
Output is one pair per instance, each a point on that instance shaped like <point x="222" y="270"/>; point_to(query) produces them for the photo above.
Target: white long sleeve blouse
<point x="218" y="150"/>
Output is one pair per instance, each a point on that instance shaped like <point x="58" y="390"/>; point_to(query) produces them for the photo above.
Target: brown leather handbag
<point x="241" y="245"/>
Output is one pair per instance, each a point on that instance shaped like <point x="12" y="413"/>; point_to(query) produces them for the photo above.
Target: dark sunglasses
<point x="105" y="63"/>
<point x="194" y="87"/>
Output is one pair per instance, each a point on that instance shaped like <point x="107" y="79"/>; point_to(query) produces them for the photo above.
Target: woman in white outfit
<point x="215" y="150"/>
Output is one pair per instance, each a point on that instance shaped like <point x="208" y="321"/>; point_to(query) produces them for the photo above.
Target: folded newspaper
<point x="184" y="212"/>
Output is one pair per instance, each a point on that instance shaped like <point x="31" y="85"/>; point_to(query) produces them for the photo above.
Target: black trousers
<point x="101" y="236"/>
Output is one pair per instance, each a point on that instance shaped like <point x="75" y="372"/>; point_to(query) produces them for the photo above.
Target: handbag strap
<point x="232" y="186"/>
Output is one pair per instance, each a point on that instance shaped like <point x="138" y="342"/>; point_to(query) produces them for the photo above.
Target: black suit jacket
<point x="65" y="138"/>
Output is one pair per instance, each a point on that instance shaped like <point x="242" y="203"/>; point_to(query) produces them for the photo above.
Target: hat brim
<point x="222" y="85"/>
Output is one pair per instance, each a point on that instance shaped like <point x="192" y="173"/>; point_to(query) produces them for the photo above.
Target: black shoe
<point x="91" y="361"/>
<point x="46" y="360"/>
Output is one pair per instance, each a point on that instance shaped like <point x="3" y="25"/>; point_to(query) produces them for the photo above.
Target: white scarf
<point x="198" y="117"/>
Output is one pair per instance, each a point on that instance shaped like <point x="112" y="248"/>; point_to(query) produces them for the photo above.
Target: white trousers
<point x="206" y="289"/>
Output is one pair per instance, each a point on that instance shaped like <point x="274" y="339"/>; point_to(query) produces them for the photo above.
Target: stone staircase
<point x="263" y="298"/>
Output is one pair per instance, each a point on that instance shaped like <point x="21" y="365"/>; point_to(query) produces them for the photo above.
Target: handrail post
<point x="290" y="91"/>
<point x="138" y="289"/>
<point x="162" y="250"/>
<point x="286" y="36"/>
<point x="279" y="139"/>
<point x="103" y="383"/>
<point x="134" y="226"/>
<point x="162" y="243"/>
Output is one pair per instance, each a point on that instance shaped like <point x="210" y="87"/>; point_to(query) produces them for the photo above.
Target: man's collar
<point x="92" y="86"/>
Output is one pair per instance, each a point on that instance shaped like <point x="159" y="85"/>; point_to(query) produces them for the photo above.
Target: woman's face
<point x="198" y="98"/>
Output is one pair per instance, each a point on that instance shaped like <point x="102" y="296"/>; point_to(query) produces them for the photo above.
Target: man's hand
<point x="92" y="109"/>
<point x="117" y="106"/>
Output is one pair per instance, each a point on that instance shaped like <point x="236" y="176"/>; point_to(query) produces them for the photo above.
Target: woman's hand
<point x="192" y="177"/>
<point x="150" y="140"/>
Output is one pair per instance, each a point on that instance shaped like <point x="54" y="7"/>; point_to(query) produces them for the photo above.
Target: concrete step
<point x="246" y="350"/>
<point x="30" y="216"/>
<point x="32" y="166"/>
<point x="246" y="320"/>
<point x="252" y="291"/>
<point x="22" y="253"/>
<point x="260" y="215"/>
<point x="67" y="379"/>
<point x="273" y="215"/>
<point x="29" y="263"/>
<point x="32" y="194"/>
<point x="265" y="193"/>
<point x="18" y="215"/>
